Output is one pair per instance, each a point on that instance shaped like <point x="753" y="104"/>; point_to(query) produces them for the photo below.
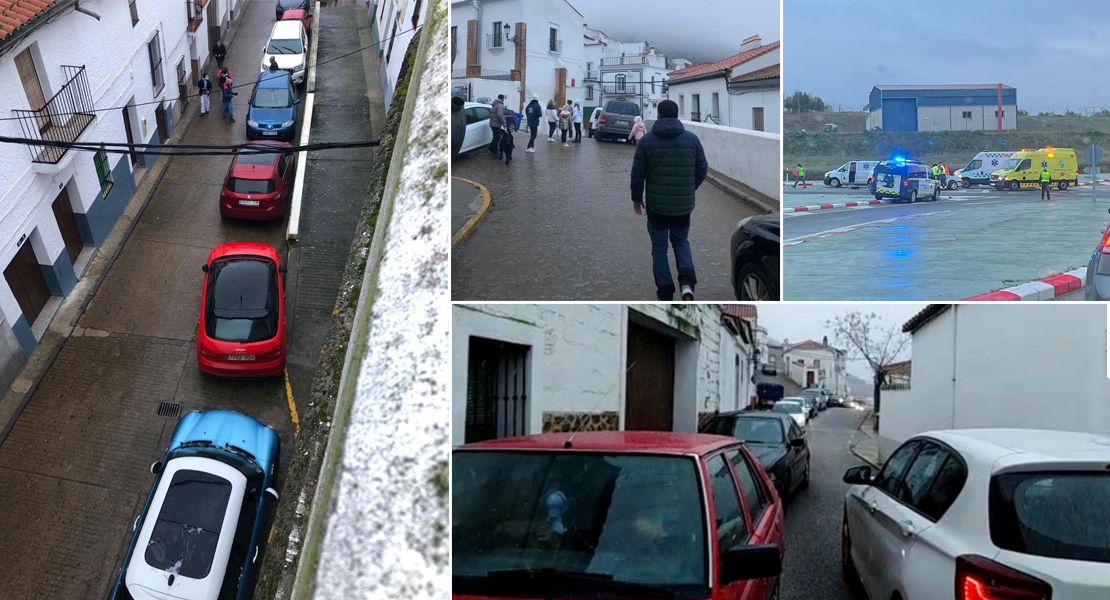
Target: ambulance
<point x="1023" y="169"/>
<point x="854" y="174"/>
<point x="978" y="171"/>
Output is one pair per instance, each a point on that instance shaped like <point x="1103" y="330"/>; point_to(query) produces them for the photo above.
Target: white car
<point x="854" y="173"/>
<point x="288" y="44"/>
<point x="478" y="132"/>
<point x="982" y="514"/>
<point x="795" y="407"/>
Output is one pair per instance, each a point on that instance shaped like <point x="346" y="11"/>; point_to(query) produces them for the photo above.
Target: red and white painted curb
<point x="1089" y="182"/>
<point x="848" y="204"/>
<point x="1041" y="289"/>
<point x="791" y="183"/>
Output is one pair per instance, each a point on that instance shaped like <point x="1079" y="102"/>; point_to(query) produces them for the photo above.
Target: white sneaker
<point x="530" y="150"/>
<point x="550" y="140"/>
<point x="687" y="293"/>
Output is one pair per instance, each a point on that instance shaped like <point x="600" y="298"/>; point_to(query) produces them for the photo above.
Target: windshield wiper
<point x="597" y="581"/>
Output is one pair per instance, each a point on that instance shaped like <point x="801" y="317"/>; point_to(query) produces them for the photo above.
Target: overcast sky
<point x="800" y="322"/>
<point x="1051" y="52"/>
<point x="700" y="30"/>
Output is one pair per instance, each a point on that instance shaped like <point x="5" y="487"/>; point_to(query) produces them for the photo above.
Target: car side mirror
<point x="156" y="467"/>
<point x="297" y="101"/>
<point x="745" y="563"/>
<point x="271" y="492"/>
<point x="798" y="442"/>
<point x="204" y="268"/>
<point x="858" y="475"/>
<point x="283" y="269"/>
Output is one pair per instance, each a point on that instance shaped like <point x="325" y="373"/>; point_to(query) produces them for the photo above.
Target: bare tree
<point x="866" y="337"/>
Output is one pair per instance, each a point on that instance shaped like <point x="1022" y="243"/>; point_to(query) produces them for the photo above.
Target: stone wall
<point x="557" y="422"/>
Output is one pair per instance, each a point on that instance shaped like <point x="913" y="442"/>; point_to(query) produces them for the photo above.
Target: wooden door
<point x="63" y="214"/>
<point x="809" y="379"/>
<point x="29" y="75"/>
<point x="24" y="277"/>
<point x="213" y="26"/>
<point x="130" y="136"/>
<point x="160" y="119"/>
<point x="649" y="385"/>
<point x="757" y="118"/>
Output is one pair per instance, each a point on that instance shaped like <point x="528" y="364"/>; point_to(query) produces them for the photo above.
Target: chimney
<point x="750" y="43"/>
<point x="653" y="50"/>
<point x="825" y="341"/>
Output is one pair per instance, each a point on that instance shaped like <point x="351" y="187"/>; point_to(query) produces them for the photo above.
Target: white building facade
<point x="1003" y="366"/>
<point x="60" y="204"/>
<point x="719" y="93"/>
<point x="635" y="74"/>
<point x="393" y="24"/>
<point x="518" y="48"/>
<point x="813" y="364"/>
<point x="527" y="369"/>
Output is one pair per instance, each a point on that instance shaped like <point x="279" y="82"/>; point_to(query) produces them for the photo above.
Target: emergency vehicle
<point x="978" y="170"/>
<point x="853" y="174"/>
<point x="903" y="179"/>
<point x="1023" y="169"/>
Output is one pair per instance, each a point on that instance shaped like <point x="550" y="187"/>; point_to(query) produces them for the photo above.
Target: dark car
<point x="768" y="394"/>
<point x="776" y="441"/>
<point x="755" y="258"/>
<point x="904" y="180"/>
<point x="1097" y="284"/>
<point x="284" y="5"/>
<point x="616" y="120"/>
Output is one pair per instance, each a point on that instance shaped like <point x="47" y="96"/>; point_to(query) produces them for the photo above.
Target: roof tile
<point x="727" y="63"/>
<point x="17" y="13"/>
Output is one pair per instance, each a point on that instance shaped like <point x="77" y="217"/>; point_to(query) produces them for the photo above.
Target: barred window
<point x="103" y="172"/>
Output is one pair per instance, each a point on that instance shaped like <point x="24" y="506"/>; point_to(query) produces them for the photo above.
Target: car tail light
<point x="272" y="355"/>
<point x="1106" y="242"/>
<point x="980" y="578"/>
<point x="602" y="120"/>
<point x="209" y="353"/>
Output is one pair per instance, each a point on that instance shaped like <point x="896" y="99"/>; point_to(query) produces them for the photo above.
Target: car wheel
<point x="952" y="185"/>
<point x="752" y="284"/>
<point x="966" y="183"/>
<point x="1014" y="186"/>
<point x="784" y="485"/>
<point x="1063" y="185"/>
<point x="805" y="477"/>
<point x="936" y="195"/>
<point x="851" y="575"/>
<point x="878" y="197"/>
<point x="913" y="196"/>
<point x="834" y="182"/>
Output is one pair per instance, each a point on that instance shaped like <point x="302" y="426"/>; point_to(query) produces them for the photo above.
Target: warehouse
<point x="941" y="107"/>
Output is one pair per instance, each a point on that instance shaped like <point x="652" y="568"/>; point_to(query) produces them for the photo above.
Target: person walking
<point x="219" y="51"/>
<point x="595" y="118"/>
<point x="205" y="86"/>
<point x="667" y="169"/>
<point x="533" y="112"/>
<point x="565" y="118"/>
<point x="638" y="130"/>
<point x="228" y="93"/>
<point x="552" y="120"/>
<point x="800" y="176"/>
<point x="577" y="115"/>
<point x="221" y="76"/>
<point x="1046" y="183"/>
<point x="496" y="122"/>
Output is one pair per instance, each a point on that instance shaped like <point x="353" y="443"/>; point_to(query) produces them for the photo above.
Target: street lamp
<point x="507" y="36"/>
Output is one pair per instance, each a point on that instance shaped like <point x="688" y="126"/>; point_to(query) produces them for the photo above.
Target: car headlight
<point x="252" y="123"/>
<point x="743" y="222"/>
<point x="288" y="123"/>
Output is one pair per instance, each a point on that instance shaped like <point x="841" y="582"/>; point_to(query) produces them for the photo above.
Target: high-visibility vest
<point x="936" y="171"/>
<point x="801" y="172"/>
<point x="1045" y="177"/>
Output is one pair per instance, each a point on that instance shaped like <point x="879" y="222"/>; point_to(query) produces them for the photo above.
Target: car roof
<point x="292" y="14"/>
<point x="476" y="104"/>
<point x="656" y="442"/>
<point x="758" y="414"/>
<point x="274" y="79"/>
<point x="1007" y="447"/>
<point x="286" y="30"/>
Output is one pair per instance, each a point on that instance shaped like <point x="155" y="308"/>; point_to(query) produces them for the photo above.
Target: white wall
<point x="392" y="53"/>
<point x="751" y="157"/>
<point x="950" y="118"/>
<point x="741" y="105"/>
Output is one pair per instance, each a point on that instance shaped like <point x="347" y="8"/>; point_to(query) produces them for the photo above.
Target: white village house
<point x="60" y="204"/>
<point x="817" y="364"/>
<point x="741" y="91"/>
<point x="393" y="24"/>
<point x="526" y="369"/>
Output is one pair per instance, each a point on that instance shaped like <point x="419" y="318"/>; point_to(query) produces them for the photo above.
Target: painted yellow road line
<point x="292" y="406"/>
<point x="468" y="228"/>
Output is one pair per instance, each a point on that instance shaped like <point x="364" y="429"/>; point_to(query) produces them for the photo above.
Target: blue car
<point x="199" y="532"/>
<point x="272" y="112"/>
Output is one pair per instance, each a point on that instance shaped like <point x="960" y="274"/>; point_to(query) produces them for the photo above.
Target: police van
<point x="978" y="170"/>
<point x="901" y="179"/>
<point x="854" y="174"/>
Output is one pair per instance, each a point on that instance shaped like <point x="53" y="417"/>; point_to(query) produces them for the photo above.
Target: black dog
<point x="507" y="146"/>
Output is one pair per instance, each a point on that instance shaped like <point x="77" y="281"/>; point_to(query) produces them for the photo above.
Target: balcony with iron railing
<point x="624" y="60"/>
<point x="628" y="89"/>
<point x="495" y="42"/>
<point x="591" y="75"/>
<point x="555" y="46"/>
<point x="61" y="119"/>
<point x="194" y="12"/>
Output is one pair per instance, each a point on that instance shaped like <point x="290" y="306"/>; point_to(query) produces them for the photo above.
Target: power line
<point x="189" y="149"/>
<point x="197" y="95"/>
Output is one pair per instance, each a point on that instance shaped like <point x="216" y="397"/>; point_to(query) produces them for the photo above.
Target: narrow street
<point x="74" y="467"/>
<point x="811" y="570"/>
<point x="561" y="227"/>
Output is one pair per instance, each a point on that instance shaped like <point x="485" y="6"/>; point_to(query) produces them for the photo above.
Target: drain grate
<point x="170" y="410"/>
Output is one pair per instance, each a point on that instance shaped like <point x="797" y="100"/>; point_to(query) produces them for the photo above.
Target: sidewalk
<point x="873" y="449"/>
<point x="470" y="203"/>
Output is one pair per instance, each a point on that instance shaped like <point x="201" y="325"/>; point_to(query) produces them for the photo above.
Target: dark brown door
<point x="63" y="214"/>
<point x="29" y="75"/>
<point x="24" y="277"/>
<point x="649" y="389"/>
<point x="160" y="119"/>
<point x="809" y="379"/>
<point x="213" y="27"/>
<point x="757" y="119"/>
<point x="130" y="136"/>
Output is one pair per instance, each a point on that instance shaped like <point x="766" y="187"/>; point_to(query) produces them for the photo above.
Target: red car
<point x="258" y="184"/>
<point x="624" y="514"/>
<point x="299" y="15"/>
<point x="242" y="312"/>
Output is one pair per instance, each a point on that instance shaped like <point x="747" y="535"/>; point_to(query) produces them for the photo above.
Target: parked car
<point x="982" y="514"/>
<point x="201" y="528"/>
<point x="620" y="514"/>
<point x="768" y="393"/>
<point x="795" y="406"/>
<point x="904" y="180"/>
<point x="284" y="5"/>
<point x="242" y="312"/>
<point x="853" y="173"/>
<point x="836" y="401"/>
<point x="478" y="132"/>
<point x="616" y="120"/>
<point x="288" y="44"/>
<point x="258" y="184"/>
<point x="817" y="397"/>
<point x="301" y="16"/>
<point x="776" y="441"/>
<point x="755" y="249"/>
<point x="1096" y="285"/>
<point x="272" y="108"/>
<point x="830" y="127"/>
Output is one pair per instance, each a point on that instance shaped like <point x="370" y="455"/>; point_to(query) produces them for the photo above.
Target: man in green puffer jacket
<point x="670" y="163"/>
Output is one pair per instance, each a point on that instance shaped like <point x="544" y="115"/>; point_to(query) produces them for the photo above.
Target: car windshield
<point x="1057" y="515"/>
<point x="587" y="521"/>
<point x="242" y="300"/>
<point x="759" y="430"/>
<point x="256" y="158"/>
<point x="1011" y="163"/>
<point x="811" y="394"/>
<point x="790" y="408"/>
<point x="622" y="108"/>
<point x="292" y="46"/>
<point x="272" y="98"/>
<point x="250" y="186"/>
<point x="188" y="525"/>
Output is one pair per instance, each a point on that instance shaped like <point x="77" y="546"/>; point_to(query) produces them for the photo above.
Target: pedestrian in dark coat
<point x="496" y="123"/>
<point x="507" y="145"/>
<point x="219" y="51"/>
<point x="205" y="86"/>
<point x="667" y="169"/>
<point x="273" y="64"/>
<point x="533" y="112"/>
<point x="228" y="94"/>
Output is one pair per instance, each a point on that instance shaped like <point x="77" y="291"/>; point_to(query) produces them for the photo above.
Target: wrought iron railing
<point x="62" y="119"/>
<point x="497" y="75"/>
<point x="631" y="89"/>
<point x="458" y="73"/>
<point x="194" y="12"/>
<point x="695" y="116"/>
<point x="494" y="42"/>
<point x="591" y="75"/>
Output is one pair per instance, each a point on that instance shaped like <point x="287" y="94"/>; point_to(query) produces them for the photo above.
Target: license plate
<point x="269" y="133"/>
<point x="240" y="357"/>
<point x="248" y="202"/>
<point x="622" y="122"/>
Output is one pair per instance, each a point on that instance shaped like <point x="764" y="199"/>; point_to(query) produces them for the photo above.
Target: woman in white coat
<point x="552" y="119"/>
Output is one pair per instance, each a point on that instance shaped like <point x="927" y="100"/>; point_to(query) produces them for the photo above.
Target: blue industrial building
<point x="941" y="107"/>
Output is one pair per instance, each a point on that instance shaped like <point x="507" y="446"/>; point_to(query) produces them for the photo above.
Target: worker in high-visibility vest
<point x="801" y="176"/>
<point x="1046" y="181"/>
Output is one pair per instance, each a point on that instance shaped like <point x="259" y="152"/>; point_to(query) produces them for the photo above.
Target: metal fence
<point x="624" y="60"/>
<point x="458" y="73"/>
<point x="62" y="119"/>
<point x="194" y="12"/>
<point x="632" y="89"/>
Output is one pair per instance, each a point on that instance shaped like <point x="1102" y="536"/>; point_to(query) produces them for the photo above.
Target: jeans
<point x="532" y="140"/>
<point x="553" y="125"/>
<point x="578" y="132"/>
<point x="495" y="145"/>
<point x="683" y="259"/>
<point x="226" y="111"/>
<point x="801" y="179"/>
